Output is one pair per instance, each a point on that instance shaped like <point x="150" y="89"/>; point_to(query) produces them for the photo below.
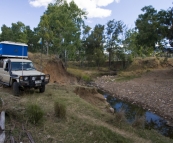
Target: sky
<point x="99" y="11"/>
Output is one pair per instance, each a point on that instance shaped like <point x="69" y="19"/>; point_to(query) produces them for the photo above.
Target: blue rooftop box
<point x="13" y="49"/>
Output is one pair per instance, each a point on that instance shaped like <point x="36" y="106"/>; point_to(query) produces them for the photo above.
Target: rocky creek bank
<point x="153" y="91"/>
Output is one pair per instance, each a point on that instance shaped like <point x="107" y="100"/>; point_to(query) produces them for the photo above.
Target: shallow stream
<point x="152" y="121"/>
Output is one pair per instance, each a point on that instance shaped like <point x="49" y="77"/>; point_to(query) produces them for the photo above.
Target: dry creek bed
<point x="153" y="91"/>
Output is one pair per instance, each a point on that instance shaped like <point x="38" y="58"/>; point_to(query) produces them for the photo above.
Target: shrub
<point x="120" y="116"/>
<point x="60" y="109"/>
<point x="34" y="113"/>
<point x="86" y="78"/>
<point x="139" y="122"/>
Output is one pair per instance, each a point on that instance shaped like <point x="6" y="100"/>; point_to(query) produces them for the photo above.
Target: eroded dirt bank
<point x="153" y="90"/>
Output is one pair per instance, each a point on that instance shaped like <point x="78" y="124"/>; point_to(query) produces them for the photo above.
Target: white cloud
<point x="95" y="8"/>
<point x="117" y="1"/>
<point x="89" y="21"/>
<point x="40" y="3"/>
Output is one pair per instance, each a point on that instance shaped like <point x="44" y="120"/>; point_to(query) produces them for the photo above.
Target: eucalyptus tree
<point x="148" y="27"/>
<point x="165" y="18"/>
<point x="6" y="33"/>
<point x="19" y="32"/>
<point x="60" y="27"/>
<point x="130" y="42"/>
<point x="94" y="45"/>
<point x="16" y="33"/>
<point x="113" y="31"/>
<point x="81" y="49"/>
<point x="32" y="37"/>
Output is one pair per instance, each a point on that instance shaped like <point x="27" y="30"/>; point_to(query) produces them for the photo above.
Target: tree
<point x="6" y="34"/>
<point x="32" y="37"/>
<point x="148" y="26"/>
<point x="94" y="43"/>
<point x="60" y="26"/>
<point x="16" y="33"/>
<point x="130" y="42"/>
<point x="165" y="18"/>
<point x="19" y="32"/>
<point x="81" y="49"/>
<point x="113" y="31"/>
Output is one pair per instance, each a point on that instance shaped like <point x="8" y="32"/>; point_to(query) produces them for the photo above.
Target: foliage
<point x="130" y="43"/>
<point x="147" y="26"/>
<point x="113" y="31"/>
<point x="65" y="34"/>
<point x="165" y="20"/>
<point x="60" y="109"/>
<point x="139" y="122"/>
<point x="120" y="117"/>
<point x="34" y="113"/>
<point x="94" y="44"/>
<point x="16" y="33"/>
<point x="86" y="78"/>
<point x="60" y="27"/>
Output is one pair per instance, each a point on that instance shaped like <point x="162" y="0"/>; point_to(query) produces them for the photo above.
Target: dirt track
<point x="152" y="91"/>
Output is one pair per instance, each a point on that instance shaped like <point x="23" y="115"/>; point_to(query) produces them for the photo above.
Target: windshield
<point x="16" y="66"/>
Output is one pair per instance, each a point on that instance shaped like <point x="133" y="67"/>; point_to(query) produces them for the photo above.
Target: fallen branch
<point x="12" y="139"/>
<point x="30" y="137"/>
<point x="28" y="134"/>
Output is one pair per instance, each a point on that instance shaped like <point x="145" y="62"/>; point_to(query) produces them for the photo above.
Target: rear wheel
<point x="42" y="89"/>
<point x="16" y="90"/>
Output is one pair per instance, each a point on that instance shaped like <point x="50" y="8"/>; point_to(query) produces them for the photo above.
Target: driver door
<point x="6" y="74"/>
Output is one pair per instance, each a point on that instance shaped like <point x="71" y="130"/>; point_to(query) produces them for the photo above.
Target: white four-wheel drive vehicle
<point x="17" y="71"/>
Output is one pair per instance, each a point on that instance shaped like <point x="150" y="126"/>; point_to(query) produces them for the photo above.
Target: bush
<point x="60" y="110"/>
<point x="34" y="113"/>
<point x="139" y="122"/>
<point x="120" y="116"/>
<point x="86" y="78"/>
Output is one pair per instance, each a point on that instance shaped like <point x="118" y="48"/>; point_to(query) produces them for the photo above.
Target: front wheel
<point x="16" y="90"/>
<point x="42" y="89"/>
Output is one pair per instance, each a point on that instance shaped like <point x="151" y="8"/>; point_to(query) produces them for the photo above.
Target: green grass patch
<point x="34" y="113"/>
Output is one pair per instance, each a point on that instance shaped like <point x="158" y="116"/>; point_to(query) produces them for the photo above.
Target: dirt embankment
<point x="90" y="95"/>
<point x="54" y="67"/>
<point x="153" y="90"/>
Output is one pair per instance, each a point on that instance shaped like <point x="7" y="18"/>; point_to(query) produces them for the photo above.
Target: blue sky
<point x="99" y="11"/>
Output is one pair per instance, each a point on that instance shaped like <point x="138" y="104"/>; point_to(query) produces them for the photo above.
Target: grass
<point x="60" y="109"/>
<point x="84" y="122"/>
<point x="34" y="113"/>
<point x="87" y="74"/>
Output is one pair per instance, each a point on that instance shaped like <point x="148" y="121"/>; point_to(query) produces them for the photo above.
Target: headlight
<point x="47" y="77"/>
<point x="42" y="77"/>
<point x="26" y="78"/>
<point x="33" y="78"/>
<point x="21" y="78"/>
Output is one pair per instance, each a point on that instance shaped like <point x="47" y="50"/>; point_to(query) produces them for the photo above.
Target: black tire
<point x="42" y="89"/>
<point x="16" y="90"/>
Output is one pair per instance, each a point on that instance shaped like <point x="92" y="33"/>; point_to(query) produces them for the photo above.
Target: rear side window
<point x="1" y="64"/>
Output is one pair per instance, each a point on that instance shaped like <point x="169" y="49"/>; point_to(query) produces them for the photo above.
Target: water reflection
<point x="152" y="121"/>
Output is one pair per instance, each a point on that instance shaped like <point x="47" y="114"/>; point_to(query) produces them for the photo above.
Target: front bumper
<point x="34" y="83"/>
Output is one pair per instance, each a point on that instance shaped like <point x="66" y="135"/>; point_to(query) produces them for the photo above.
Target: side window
<point x="6" y="66"/>
<point x="1" y="64"/>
